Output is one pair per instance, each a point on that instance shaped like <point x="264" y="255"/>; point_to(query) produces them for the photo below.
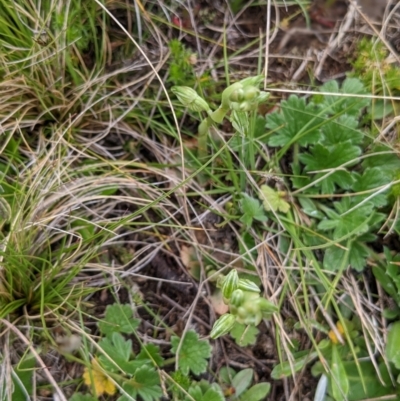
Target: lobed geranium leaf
<point x="252" y="210"/>
<point x="358" y="255"/>
<point x="273" y="200"/>
<point x="296" y="122"/>
<point x="332" y="157"/>
<point x="150" y="354"/>
<point x="193" y="353"/>
<point x="118" y="319"/>
<point x="341" y="129"/>
<point x="385" y="157"/>
<point x="343" y="222"/>
<point x="358" y="252"/>
<point x="145" y="383"/>
<point x="118" y="351"/>
<point x="371" y="183"/>
<point x="342" y="104"/>
<point x="244" y="335"/>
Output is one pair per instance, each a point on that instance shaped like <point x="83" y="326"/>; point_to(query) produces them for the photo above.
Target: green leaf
<point x="355" y="86"/>
<point x="22" y="380"/>
<point x="244" y="335"/>
<point x="341" y="129"/>
<point x="333" y="258"/>
<point x="339" y="381"/>
<point x="117" y="346"/>
<point x="118" y="350"/>
<point x="226" y="374"/>
<point x="372" y="179"/>
<point x="252" y="209"/>
<point x="118" y="319"/>
<point x="242" y="380"/>
<point x="193" y="353"/>
<point x="393" y="344"/>
<point x="248" y="285"/>
<point x="257" y="393"/>
<point x="344" y="222"/>
<point x="368" y="385"/>
<point x="380" y="109"/>
<point x="344" y="104"/>
<point x="286" y="369"/>
<point x="206" y="392"/>
<point x="358" y="255"/>
<point x="295" y="122"/>
<point x="331" y="157"/>
<point x="259" y="128"/>
<point x="384" y="280"/>
<point x="310" y="208"/>
<point x="273" y="200"/>
<point x="299" y="179"/>
<point x="145" y="383"/>
<point x="150" y="354"/>
<point x="384" y="158"/>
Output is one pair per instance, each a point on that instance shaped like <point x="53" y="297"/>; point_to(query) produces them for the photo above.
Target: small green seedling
<point x="238" y="385"/>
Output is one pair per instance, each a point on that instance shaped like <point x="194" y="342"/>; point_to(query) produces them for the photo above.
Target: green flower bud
<point x="213" y="274"/>
<point x="237" y="96"/>
<point x="253" y="320"/>
<point x="267" y="315"/>
<point x="252" y="81"/>
<point x="220" y="281"/>
<point x="251" y="306"/>
<point x="230" y="284"/>
<point x="237" y="298"/>
<point x="248" y="285"/>
<point x="225" y="97"/>
<point x="249" y="319"/>
<point x="233" y="309"/>
<point x="266" y="306"/>
<point x="245" y="106"/>
<point x="190" y="99"/>
<point x="236" y="106"/>
<point x="242" y="313"/>
<point x="251" y="93"/>
<point x="262" y="97"/>
<point x="223" y="325"/>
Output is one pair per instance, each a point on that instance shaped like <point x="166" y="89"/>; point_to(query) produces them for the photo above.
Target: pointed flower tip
<point x="190" y="99"/>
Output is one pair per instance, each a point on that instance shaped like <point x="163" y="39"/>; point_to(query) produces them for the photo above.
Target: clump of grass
<point x="65" y="198"/>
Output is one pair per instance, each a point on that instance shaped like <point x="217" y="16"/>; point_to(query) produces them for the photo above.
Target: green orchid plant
<point x="242" y="96"/>
<point x="246" y="305"/>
